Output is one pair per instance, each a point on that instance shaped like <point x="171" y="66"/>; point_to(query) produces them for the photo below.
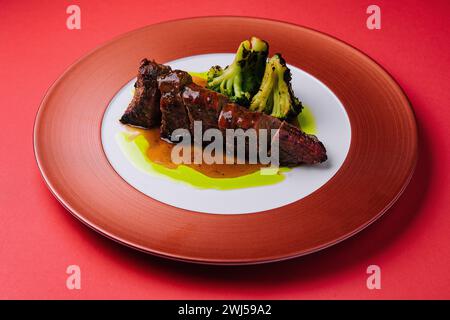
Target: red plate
<point x="379" y="164"/>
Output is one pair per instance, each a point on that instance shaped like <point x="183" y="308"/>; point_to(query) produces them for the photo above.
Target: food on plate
<point x="295" y="146"/>
<point x="254" y="82"/>
<point x="275" y="95"/>
<point x="175" y="102"/>
<point x="241" y="80"/>
<point x="143" y="111"/>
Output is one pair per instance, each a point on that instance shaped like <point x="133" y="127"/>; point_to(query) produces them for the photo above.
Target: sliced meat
<point x="171" y="99"/>
<point x="203" y="105"/>
<point x="234" y="116"/>
<point x="297" y="147"/>
<point x="144" y="111"/>
<point x="183" y="102"/>
<point x="173" y="112"/>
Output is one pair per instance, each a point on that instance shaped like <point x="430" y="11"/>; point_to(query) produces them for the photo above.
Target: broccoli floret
<point x="275" y="96"/>
<point x="241" y="80"/>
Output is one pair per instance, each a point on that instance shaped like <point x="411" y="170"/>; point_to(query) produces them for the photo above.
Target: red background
<point x="39" y="239"/>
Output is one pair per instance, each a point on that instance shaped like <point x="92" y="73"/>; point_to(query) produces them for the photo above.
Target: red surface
<point x="39" y="239"/>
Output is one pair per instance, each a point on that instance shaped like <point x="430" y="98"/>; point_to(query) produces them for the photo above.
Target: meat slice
<point x="203" y="105"/>
<point x="143" y="110"/>
<point x="183" y="102"/>
<point x="297" y="147"/>
<point x="173" y="111"/>
<point x="234" y="116"/>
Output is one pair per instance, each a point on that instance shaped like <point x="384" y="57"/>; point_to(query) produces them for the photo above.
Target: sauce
<point x="198" y="80"/>
<point x="305" y="121"/>
<point x="146" y="151"/>
<point x="159" y="152"/>
<point x="136" y="145"/>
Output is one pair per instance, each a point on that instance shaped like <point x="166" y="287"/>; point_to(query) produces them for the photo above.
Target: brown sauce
<point x="159" y="152"/>
<point x="200" y="81"/>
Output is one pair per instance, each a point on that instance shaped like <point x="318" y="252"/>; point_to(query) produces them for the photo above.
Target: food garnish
<point x="241" y="80"/>
<point x="275" y="95"/>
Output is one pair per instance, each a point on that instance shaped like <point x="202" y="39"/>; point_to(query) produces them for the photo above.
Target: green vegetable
<point x="275" y="95"/>
<point x="241" y="80"/>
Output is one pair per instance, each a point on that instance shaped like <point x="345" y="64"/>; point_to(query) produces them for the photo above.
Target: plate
<point x="361" y="114"/>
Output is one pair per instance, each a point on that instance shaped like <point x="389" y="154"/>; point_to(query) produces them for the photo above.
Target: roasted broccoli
<point x="275" y="95"/>
<point x="241" y="80"/>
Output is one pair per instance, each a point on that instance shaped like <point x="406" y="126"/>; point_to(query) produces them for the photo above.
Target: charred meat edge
<point x="144" y="110"/>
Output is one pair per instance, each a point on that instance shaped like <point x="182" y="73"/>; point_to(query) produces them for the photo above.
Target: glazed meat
<point x="298" y="147"/>
<point x="295" y="146"/>
<point x="183" y="102"/>
<point x="173" y="111"/>
<point x="180" y="102"/>
<point x="144" y="110"/>
<point x="203" y="105"/>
